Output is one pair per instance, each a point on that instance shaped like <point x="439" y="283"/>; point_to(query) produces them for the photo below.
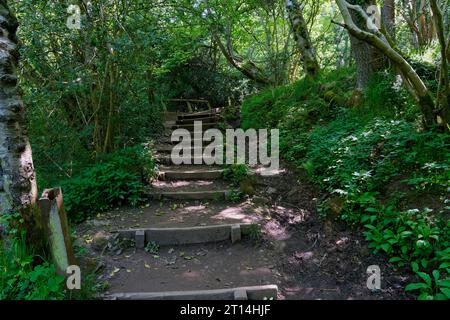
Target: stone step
<point x="192" y="174"/>
<point x="192" y="195"/>
<point x="266" y="292"/>
<point x="188" y="235"/>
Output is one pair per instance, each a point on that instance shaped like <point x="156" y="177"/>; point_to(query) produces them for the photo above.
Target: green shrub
<point x="235" y="173"/>
<point x="300" y="104"/>
<point x="355" y="156"/>
<point x="116" y="179"/>
<point x="385" y="95"/>
<point x="21" y="279"/>
<point x="356" y="153"/>
<point x="416" y="238"/>
<point x="357" y="159"/>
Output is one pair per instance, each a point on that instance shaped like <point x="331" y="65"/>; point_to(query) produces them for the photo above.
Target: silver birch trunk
<point x="17" y="176"/>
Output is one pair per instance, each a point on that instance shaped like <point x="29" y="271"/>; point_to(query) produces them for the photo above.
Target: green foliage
<point x="385" y="95"/>
<point x="302" y="103"/>
<point x="357" y="157"/>
<point x="152" y="247"/>
<point x="415" y="238"/>
<point x="26" y="274"/>
<point x="235" y="196"/>
<point x="235" y="173"/>
<point x="357" y="160"/>
<point x="116" y="179"/>
<point x="435" y="286"/>
<point x="360" y="155"/>
<point x="194" y="79"/>
<point x="21" y="279"/>
<point x="254" y="232"/>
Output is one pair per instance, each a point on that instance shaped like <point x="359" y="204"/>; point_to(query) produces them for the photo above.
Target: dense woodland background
<point x="365" y="112"/>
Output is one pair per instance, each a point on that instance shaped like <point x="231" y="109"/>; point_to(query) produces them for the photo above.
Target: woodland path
<point x="191" y="241"/>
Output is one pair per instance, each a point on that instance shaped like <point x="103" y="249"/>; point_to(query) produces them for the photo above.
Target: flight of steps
<point x="194" y="183"/>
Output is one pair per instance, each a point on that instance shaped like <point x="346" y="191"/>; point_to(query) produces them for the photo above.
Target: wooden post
<point x="189" y="106"/>
<point x="54" y="221"/>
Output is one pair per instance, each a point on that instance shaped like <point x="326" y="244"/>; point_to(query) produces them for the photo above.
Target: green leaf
<point x="446" y="292"/>
<point x="425" y="278"/>
<point x="436" y="275"/>
<point x="395" y="259"/>
<point x="425" y="296"/>
<point x="444" y="283"/>
<point x="444" y="265"/>
<point x="386" y="247"/>
<point x="416" y="286"/>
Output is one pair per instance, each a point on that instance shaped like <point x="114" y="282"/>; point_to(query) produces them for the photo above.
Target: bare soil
<point x="307" y="258"/>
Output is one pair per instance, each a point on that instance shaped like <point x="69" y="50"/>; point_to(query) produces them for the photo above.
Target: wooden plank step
<point x="168" y="140"/>
<point x="201" y="174"/>
<point x="167" y="160"/>
<point x="265" y="292"/>
<point x="169" y="147"/>
<point x="200" y="115"/>
<point x="188" y="235"/>
<point x="208" y="119"/>
<point x="192" y="195"/>
<point x="191" y="127"/>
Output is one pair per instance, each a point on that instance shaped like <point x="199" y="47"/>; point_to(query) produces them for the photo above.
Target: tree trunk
<point x="443" y="94"/>
<point x="302" y="38"/>
<point x="18" y="189"/>
<point x="388" y="15"/>
<point x="377" y="40"/>
<point x="368" y="59"/>
<point x="246" y="67"/>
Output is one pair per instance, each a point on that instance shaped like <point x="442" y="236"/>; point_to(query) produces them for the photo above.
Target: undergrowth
<point x="26" y="274"/>
<point x="392" y="177"/>
<point x="116" y="179"/>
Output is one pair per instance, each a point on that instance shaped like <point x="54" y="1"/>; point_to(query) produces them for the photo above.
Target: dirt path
<point x="321" y="259"/>
<point x="294" y="250"/>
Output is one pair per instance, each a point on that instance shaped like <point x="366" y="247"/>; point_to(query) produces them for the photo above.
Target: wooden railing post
<point x="56" y="229"/>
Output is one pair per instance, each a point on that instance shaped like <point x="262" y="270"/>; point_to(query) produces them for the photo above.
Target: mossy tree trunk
<point x="302" y="38"/>
<point x="388" y="14"/>
<point x="368" y="59"/>
<point x="434" y="112"/>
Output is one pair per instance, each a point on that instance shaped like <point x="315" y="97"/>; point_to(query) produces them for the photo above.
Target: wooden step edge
<point x="263" y="292"/>
<point x="192" y="195"/>
<point x="190" y="175"/>
<point x="188" y="235"/>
